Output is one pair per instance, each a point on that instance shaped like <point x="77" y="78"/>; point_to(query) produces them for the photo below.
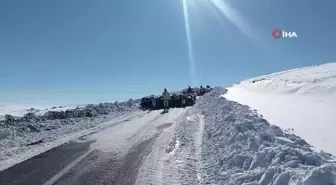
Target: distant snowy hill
<point x="18" y="109"/>
<point x="303" y="99"/>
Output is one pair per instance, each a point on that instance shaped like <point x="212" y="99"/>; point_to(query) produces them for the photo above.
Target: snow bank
<point x="61" y="108"/>
<point x="241" y="147"/>
<point x="302" y="99"/>
<point x="61" y="112"/>
<point x="24" y="138"/>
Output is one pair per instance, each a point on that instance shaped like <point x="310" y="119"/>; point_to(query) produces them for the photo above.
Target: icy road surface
<point x="112" y="156"/>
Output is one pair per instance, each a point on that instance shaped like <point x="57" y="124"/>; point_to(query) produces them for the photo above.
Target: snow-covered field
<point x="302" y="99"/>
<point x="240" y="147"/>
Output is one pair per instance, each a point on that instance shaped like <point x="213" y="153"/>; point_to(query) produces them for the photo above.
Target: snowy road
<point x="112" y="156"/>
<point x="216" y="141"/>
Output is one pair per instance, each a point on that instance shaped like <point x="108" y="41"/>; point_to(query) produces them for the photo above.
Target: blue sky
<point x="85" y="51"/>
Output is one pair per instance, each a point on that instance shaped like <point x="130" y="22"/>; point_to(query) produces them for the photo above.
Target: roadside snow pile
<point x="19" y="136"/>
<point x="301" y="99"/>
<point x="61" y="108"/>
<point x="61" y="113"/>
<point x="240" y="147"/>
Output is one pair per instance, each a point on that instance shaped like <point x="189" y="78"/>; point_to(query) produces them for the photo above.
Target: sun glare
<point x="189" y="42"/>
<point x="222" y="10"/>
<point x="233" y="16"/>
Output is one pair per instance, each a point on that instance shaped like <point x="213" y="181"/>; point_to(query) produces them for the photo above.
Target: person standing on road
<point x="166" y="97"/>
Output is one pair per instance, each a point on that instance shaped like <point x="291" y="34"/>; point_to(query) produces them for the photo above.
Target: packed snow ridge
<point x="302" y="99"/>
<point x="240" y="147"/>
